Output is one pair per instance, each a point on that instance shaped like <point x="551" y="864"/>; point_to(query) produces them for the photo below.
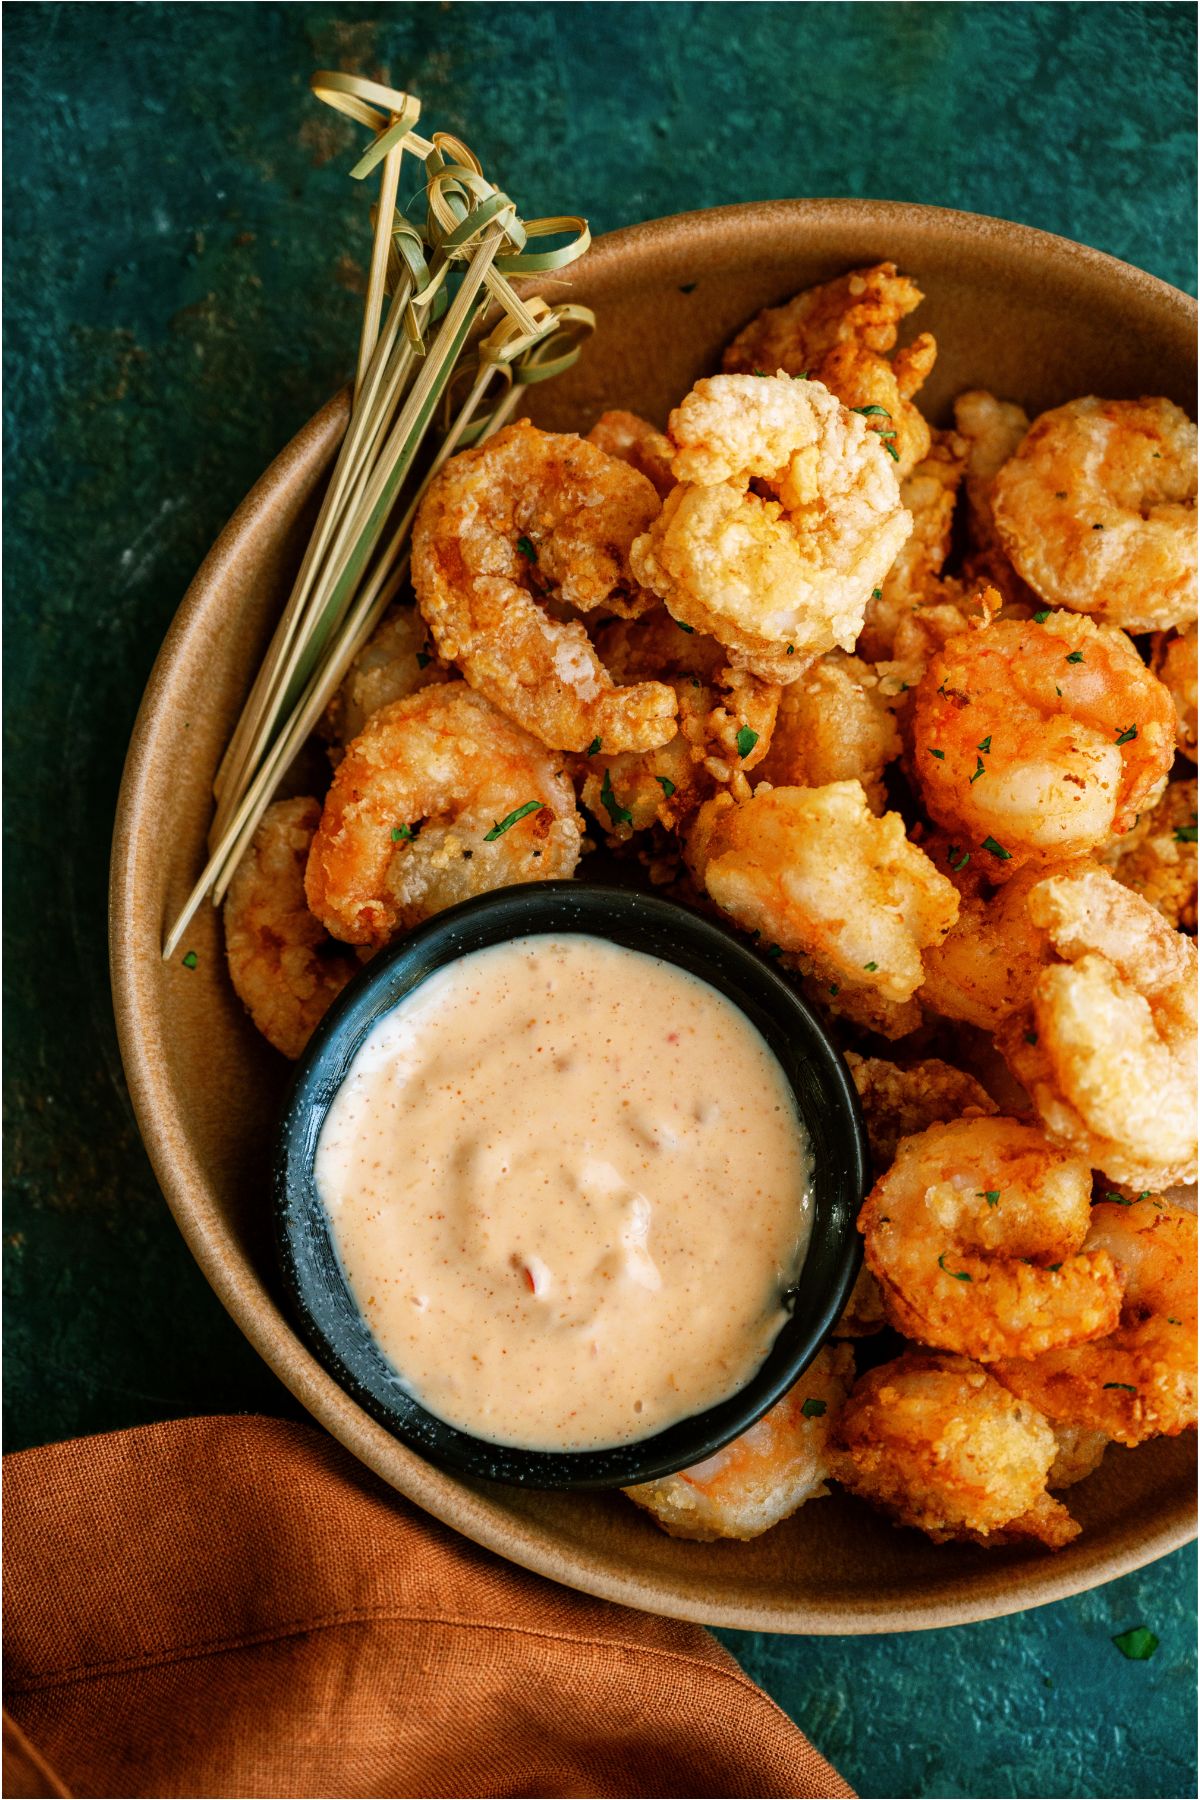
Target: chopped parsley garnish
<point x="1124" y="1386"/>
<point x="986" y="745"/>
<point x="964" y="857"/>
<point x="791" y="649"/>
<point x="403" y="831"/>
<point x="1039" y="618"/>
<point x="940" y="754"/>
<point x="190" y="960"/>
<point x="989" y="843"/>
<point x="594" y="747"/>
<point x="774" y="950"/>
<point x="620" y="815"/>
<point x="668" y="787"/>
<point x="802" y="376"/>
<point x="813" y="1409"/>
<point x="1145" y="1194"/>
<point x="872" y="411"/>
<point x="424" y="658"/>
<point x="688" y="628"/>
<point x="877" y="593"/>
<point x="870" y="967"/>
<point x="1127" y="736"/>
<point x="892" y="452"/>
<point x="1031" y="1037"/>
<point x="979" y="770"/>
<point x="991" y="1195"/>
<point x="1118" y="1200"/>
<point x="527" y="550"/>
<point x="1138" y="1645"/>
<point x="834" y="988"/>
<point x="746" y="740"/>
<point x="1053" y="1268"/>
<point x="954" y="1274"/>
<point x="522" y="812"/>
<point x="1076" y="656"/>
<point x="1185" y="834"/>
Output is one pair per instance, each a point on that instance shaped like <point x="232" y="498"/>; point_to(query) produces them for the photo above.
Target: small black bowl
<point x="328" y="1316"/>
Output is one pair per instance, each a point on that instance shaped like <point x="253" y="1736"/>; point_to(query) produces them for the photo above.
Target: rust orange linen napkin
<point x="234" y="1606"/>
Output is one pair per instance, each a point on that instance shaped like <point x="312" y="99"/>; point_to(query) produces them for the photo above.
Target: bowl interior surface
<point x="825" y="1098"/>
<point x="1031" y="317"/>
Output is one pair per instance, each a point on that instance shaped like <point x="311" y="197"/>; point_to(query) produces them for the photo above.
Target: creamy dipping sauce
<point x="568" y="1184"/>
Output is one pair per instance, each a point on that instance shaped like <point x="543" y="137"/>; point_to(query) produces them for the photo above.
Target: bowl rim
<point x="650" y="925"/>
<point x="182" y="1178"/>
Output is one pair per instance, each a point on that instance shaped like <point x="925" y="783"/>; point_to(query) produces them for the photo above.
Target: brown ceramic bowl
<point x="1034" y="318"/>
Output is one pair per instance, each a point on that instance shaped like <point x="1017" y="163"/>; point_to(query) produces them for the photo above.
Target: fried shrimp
<point x="1174" y="662"/>
<point x="1107" y="1047"/>
<point x="1097" y="509"/>
<point x="974" y="1235"/>
<point x="898" y="1102"/>
<point x="837" y="723"/>
<point x="631" y="440"/>
<point x="439" y="798"/>
<point x="1157" y="859"/>
<point x="285" y="968"/>
<point x="397" y="660"/>
<point x="1035" y="740"/>
<point x="937" y="1443"/>
<point x="929" y="493"/>
<point x="842" y="333"/>
<point x="815" y="872"/>
<point x="527" y="516"/>
<point x="782" y="579"/>
<point x="1140" y="1381"/>
<point x="991" y="429"/>
<point x="1080" y="1453"/>
<point x="766" y="1474"/>
<point x="985" y="967"/>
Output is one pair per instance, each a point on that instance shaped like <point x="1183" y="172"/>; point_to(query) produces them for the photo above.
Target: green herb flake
<point x="522" y="812"/>
<point x="1039" y="618"/>
<point x="619" y="814"/>
<point x="1053" y="1268"/>
<point x="1031" y="1037"/>
<point x="877" y="593"/>
<point x="802" y="376"/>
<point x="989" y="843"/>
<point x="834" y="988"/>
<point x="668" y="787"/>
<point x="1185" y="834"/>
<point x="774" y="950"/>
<point x="892" y="452"/>
<point x="870" y="967"/>
<point x="791" y="649"/>
<point x="594" y="747"/>
<point x="954" y="1274"/>
<point x="746" y="740"/>
<point x="940" y="754"/>
<point x="986" y="745"/>
<point x="991" y="1195"/>
<point x="424" y="658"/>
<point x="1118" y="1200"/>
<point x="1145" y="1194"/>
<point x="1124" y="1386"/>
<point x="402" y="831"/>
<point x="813" y="1409"/>
<point x="869" y="412"/>
<point x="1076" y="656"/>
<point x="527" y="550"/>
<point x="190" y="960"/>
<point x="964" y="857"/>
<point x="1127" y="736"/>
<point x="979" y="770"/>
<point x="688" y="628"/>
<point x="761" y="372"/>
<point x="1138" y="1645"/>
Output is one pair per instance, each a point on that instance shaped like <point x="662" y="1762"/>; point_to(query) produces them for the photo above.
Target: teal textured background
<point x="183" y="271"/>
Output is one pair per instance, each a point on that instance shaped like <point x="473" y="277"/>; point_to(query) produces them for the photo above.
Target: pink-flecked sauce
<point x="568" y="1184"/>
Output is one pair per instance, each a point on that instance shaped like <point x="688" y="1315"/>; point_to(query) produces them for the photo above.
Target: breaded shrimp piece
<point x="985" y="967"/>
<point x="1035" y="740"/>
<point x="974" y="1236"/>
<point x="1157" y="859"/>
<point x="992" y="429"/>
<point x="1107" y="1047"/>
<point x="841" y="333"/>
<point x="1097" y="509"/>
<point x="936" y="1442"/>
<point x="898" y="1102"/>
<point x="837" y="723"/>
<point x="782" y="579"/>
<point x="1174" y="662"/>
<point x="397" y="660"/>
<point x="286" y="969"/>
<point x="814" y="871"/>
<point x="1140" y="1381"/>
<point x="1080" y="1453"/>
<point x="632" y="440"/>
<point x="440" y="797"/>
<point x="766" y="1474"/>
<point x="929" y="493"/>
<point x="531" y="515"/>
